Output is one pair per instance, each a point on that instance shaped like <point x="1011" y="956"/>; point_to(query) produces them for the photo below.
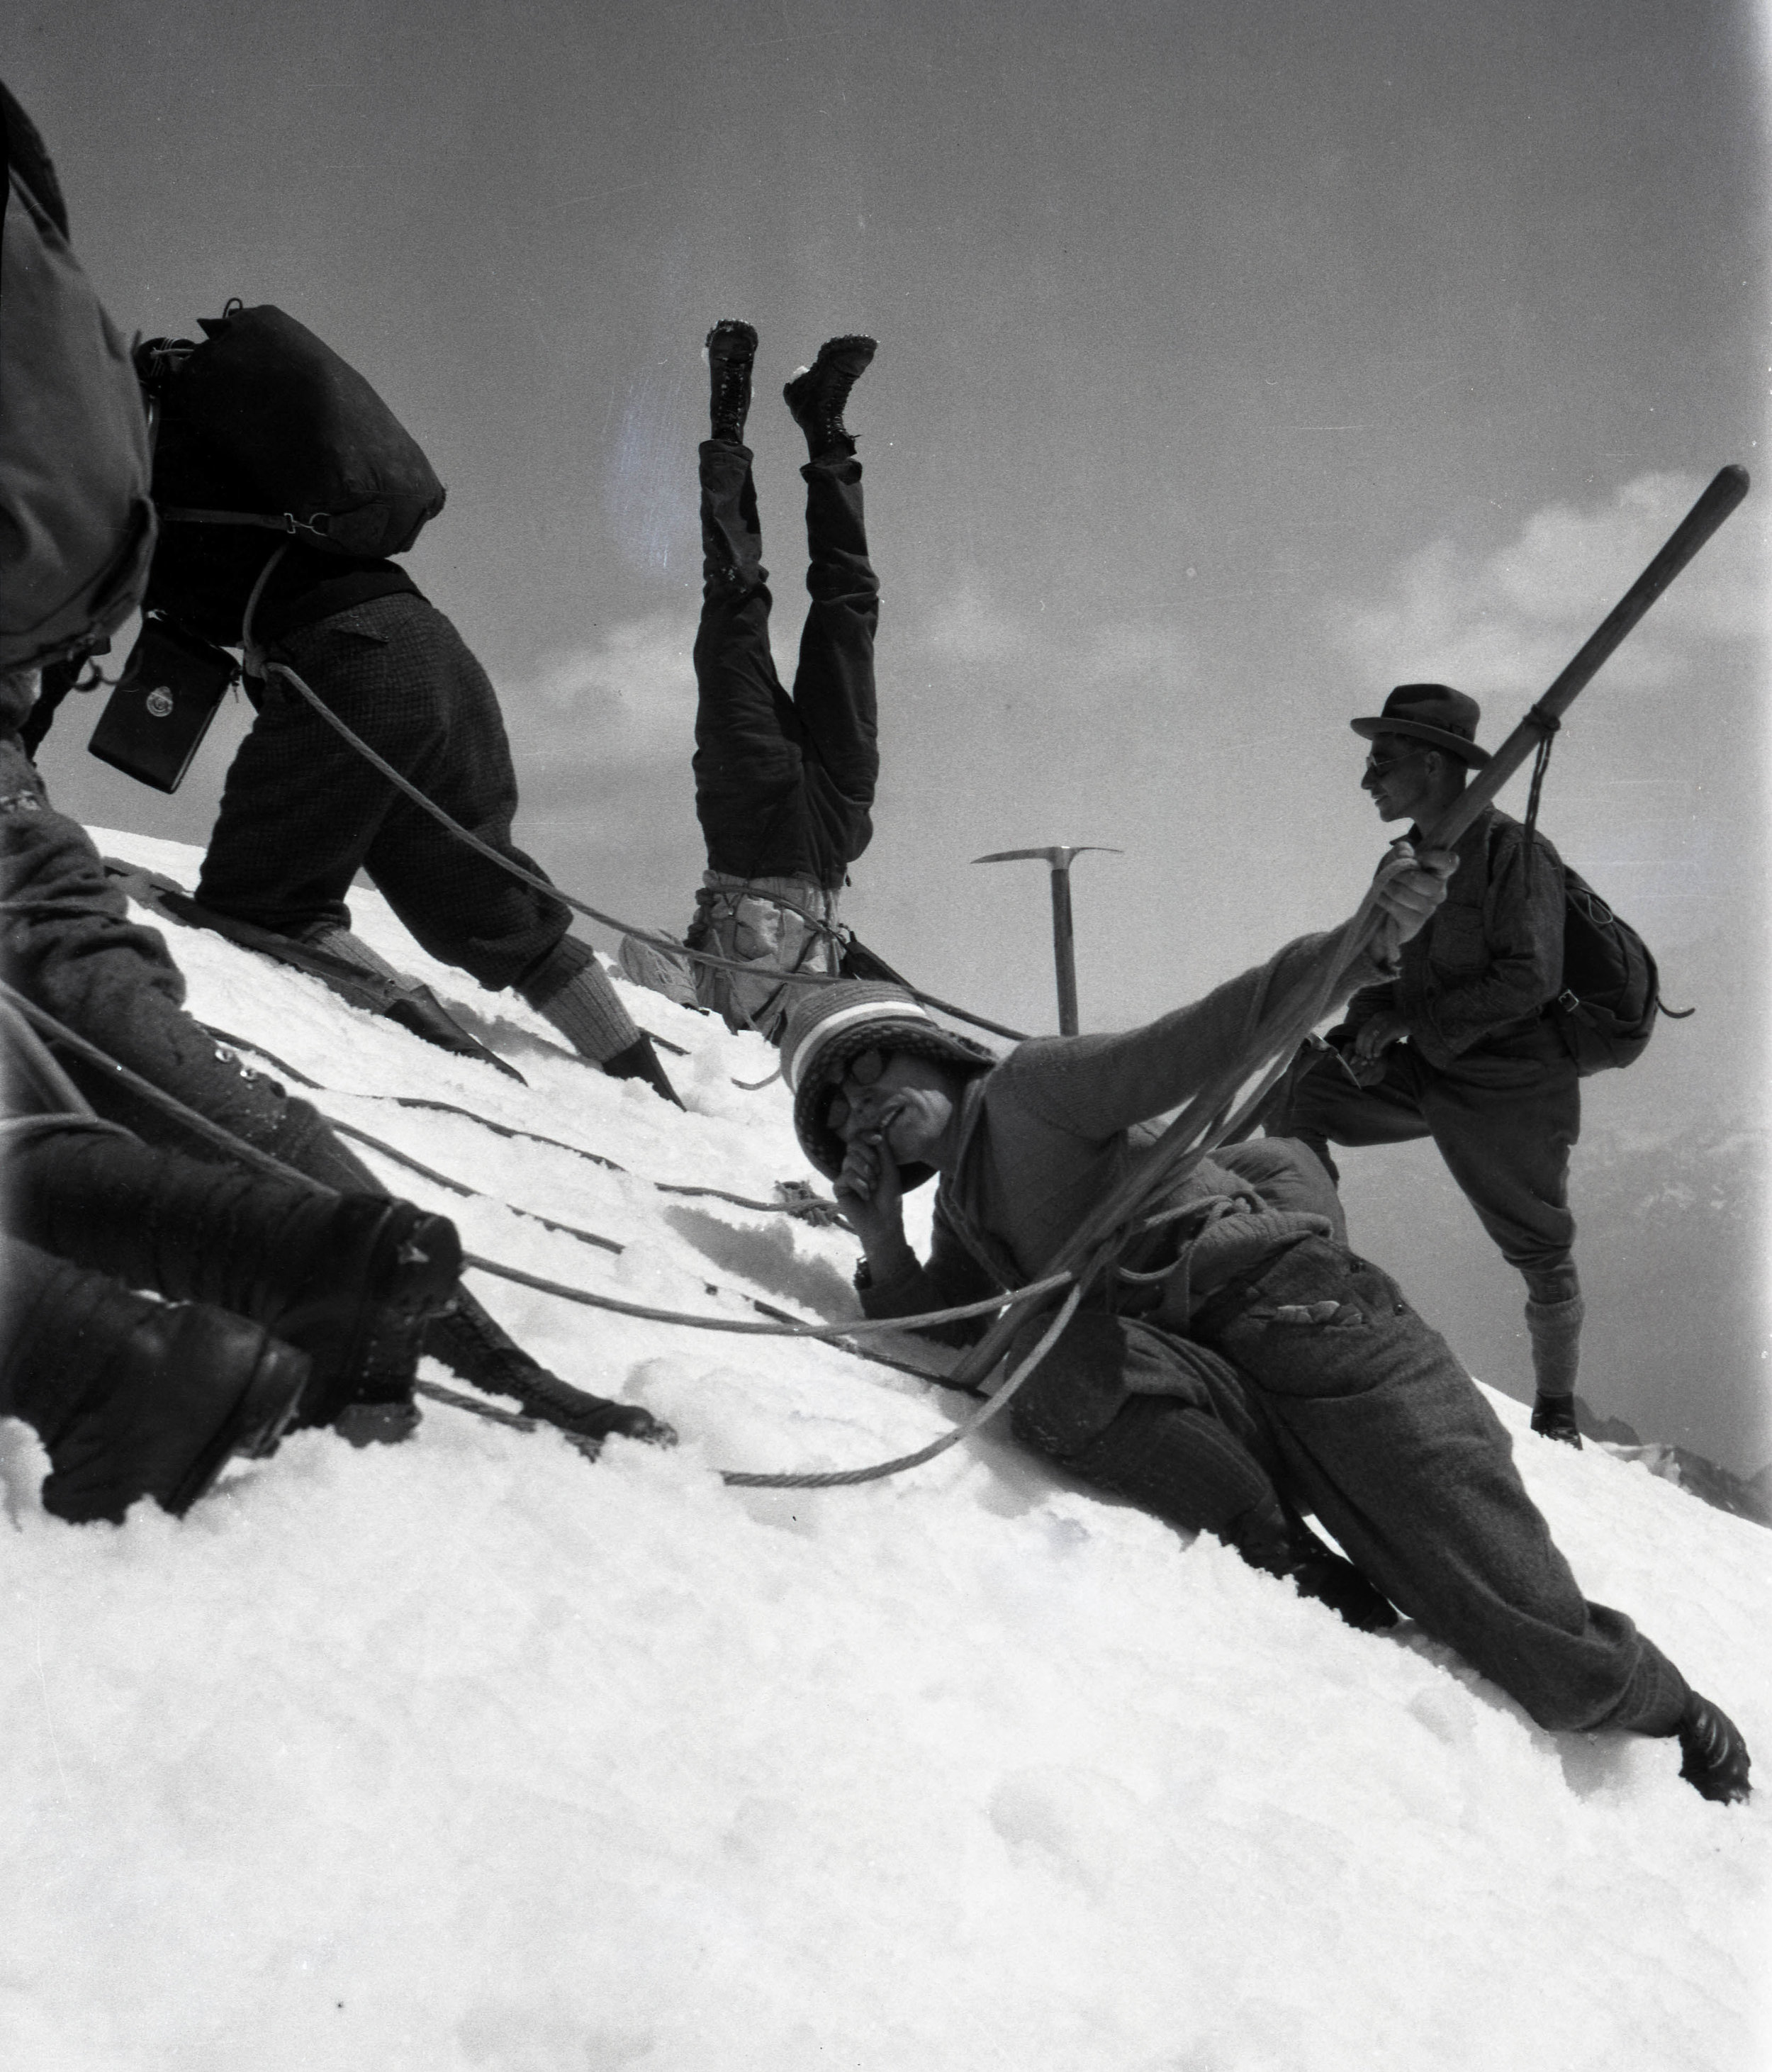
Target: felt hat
<point x="835" y="1023"/>
<point x="1436" y="713"/>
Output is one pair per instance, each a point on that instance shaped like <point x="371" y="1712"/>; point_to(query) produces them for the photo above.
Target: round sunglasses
<point x="1381" y="766"/>
<point x="864" y="1070"/>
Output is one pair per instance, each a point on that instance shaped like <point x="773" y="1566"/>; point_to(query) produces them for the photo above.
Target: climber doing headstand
<point x="783" y="783"/>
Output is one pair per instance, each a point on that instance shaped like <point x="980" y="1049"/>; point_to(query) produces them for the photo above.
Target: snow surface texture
<point x="466" y="1753"/>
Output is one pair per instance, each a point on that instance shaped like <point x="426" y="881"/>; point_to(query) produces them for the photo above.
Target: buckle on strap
<point x="319" y="526"/>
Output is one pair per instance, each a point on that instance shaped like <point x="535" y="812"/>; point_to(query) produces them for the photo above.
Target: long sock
<point x="570" y="988"/>
<point x="1555" y="1329"/>
<point x="52" y="1337"/>
<point x="155" y="1220"/>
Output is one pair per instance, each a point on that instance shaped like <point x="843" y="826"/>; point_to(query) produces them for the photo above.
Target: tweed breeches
<point x="1331" y="1387"/>
<point x="302" y="813"/>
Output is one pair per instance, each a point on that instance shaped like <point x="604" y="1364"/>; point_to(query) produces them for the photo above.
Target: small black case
<point x="155" y="719"/>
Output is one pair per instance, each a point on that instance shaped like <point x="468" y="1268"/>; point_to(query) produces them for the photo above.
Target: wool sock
<point x="570" y="989"/>
<point x="1555" y="1329"/>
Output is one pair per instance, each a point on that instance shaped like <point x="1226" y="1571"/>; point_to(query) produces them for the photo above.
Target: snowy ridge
<point x="465" y="1754"/>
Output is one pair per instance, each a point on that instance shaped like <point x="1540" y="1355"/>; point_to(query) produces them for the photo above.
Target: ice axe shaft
<point x="1059" y="857"/>
<point x="1724" y="490"/>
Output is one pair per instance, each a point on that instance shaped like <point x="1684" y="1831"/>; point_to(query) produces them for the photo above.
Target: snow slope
<point x="466" y="1753"/>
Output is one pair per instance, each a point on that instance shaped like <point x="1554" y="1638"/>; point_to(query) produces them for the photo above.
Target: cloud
<point x="629" y="697"/>
<point x="1509" y="620"/>
<point x="1094" y="655"/>
<point x="965" y="627"/>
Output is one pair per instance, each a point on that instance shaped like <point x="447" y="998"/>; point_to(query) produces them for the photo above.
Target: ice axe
<point x="1064" y="954"/>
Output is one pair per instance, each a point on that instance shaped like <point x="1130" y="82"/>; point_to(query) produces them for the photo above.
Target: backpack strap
<point x="320" y="525"/>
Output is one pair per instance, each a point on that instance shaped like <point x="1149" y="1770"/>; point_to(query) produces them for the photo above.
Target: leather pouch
<point x="155" y="719"/>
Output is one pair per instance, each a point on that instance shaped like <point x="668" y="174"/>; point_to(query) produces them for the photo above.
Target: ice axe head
<point x="1058" y="856"/>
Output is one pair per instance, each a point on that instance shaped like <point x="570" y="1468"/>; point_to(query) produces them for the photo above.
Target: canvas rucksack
<point x="76" y="526"/>
<point x="307" y="438"/>
<point x="1606" y="1011"/>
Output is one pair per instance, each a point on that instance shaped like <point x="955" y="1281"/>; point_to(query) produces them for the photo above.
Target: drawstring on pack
<point x="1548" y="727"/>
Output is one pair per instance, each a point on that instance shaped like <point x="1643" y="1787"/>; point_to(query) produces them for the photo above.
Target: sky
<point x="1238" y="361"/>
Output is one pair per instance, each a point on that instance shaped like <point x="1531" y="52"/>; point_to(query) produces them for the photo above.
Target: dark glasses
<point x="1381" y="766"/>
<point x="864" y="1070"/>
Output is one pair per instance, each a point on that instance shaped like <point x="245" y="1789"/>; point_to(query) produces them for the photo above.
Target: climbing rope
<point x="849" y="1477"/>
<point x="57" y="1033"/>
<point x="259" y="664"/>
<point x="816" y="1207"/>
<point x="1263" y="1049"/>
<point x="989" y="1305"/>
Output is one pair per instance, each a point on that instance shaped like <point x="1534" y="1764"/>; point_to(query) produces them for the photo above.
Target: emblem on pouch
<point x="159" y="701"/>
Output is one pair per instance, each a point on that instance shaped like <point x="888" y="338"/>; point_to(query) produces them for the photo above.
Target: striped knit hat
<point x="835" y="1023"/>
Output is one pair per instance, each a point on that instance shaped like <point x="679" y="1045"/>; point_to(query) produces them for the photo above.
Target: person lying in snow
<point x="782" y="785"/>
<point x="286" y="1305"/>
<point x="1268" y="1372"/>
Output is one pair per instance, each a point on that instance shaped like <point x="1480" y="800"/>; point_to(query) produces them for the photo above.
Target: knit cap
<point x="835" y="1023"/>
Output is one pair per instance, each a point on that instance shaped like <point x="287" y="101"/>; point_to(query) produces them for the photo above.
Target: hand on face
<point x="890" y="1109"/>
<point x="905" y="1101"/>
<point x="870" y="1193"/>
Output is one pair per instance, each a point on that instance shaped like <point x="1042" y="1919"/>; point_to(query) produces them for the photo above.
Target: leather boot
<point x="1555" y="1329"/>
<point x="470" y="1343"/>
<point x="348" y="1280"/>
<point x="640" y="1061"/>
<point x="1333" y="1580"/>
<point x="730" y="349"/>
<point x="132" y="1397"/>
<point x="1189" y="1469"/>
<point x="1714" y="1758"/>
<point x="817" y="394"/>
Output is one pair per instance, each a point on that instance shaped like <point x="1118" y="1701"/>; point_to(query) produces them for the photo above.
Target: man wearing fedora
<point x="1455" y="1046"/>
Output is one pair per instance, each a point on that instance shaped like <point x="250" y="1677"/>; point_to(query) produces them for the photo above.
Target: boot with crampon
<point x="570" y="989"/>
